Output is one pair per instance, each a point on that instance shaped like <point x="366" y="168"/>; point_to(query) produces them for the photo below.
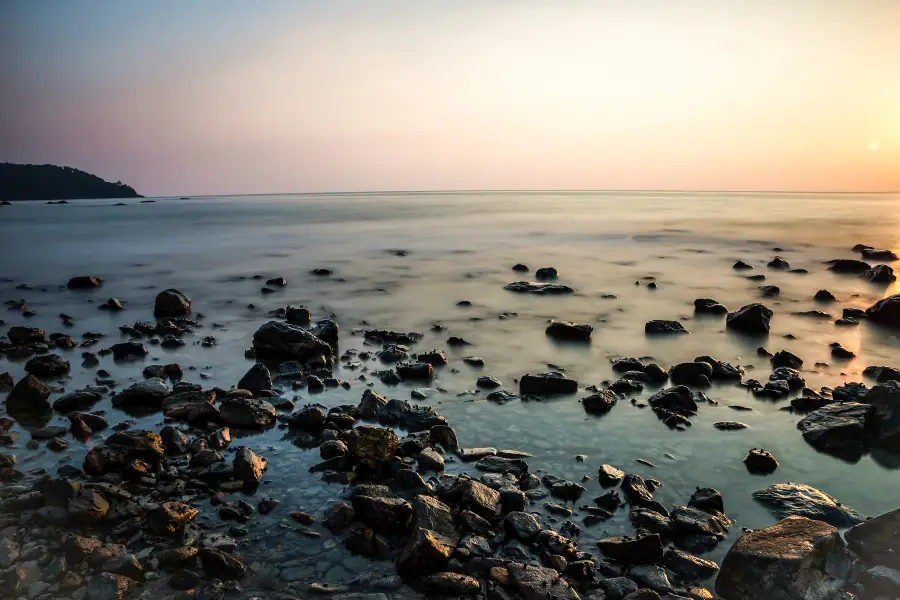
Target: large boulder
<point x="886" y="311"/>
<point x="877" y="540"/>
<point x="795" y="559"/>
<point x="29" y="395"/>
<point x="885" y="400"/>
<point x="549" y="383"/>
<point x="288" y="342"/>
<point x="798" y="499"/>
<point x="171" y="303"/>
<point x="842" y="428"/>
<point x="752" y="319"/>
<point x="246" y="412"/>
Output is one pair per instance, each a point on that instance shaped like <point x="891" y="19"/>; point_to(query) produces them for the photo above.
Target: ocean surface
<point x="461" y="246"/>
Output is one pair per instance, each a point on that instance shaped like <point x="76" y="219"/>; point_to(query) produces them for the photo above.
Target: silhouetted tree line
<point x="50" y="182"/>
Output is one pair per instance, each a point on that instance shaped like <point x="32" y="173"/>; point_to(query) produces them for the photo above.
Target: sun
<point x="873" y="146"/>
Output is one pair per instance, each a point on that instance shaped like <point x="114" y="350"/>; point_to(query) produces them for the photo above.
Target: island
<point x="52" y="182"/>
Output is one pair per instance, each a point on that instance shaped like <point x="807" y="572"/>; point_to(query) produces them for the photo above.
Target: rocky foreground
<point x="127" y="523"/>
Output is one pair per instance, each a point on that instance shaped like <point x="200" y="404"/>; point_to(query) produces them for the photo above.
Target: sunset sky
<point x="228" y="96"/>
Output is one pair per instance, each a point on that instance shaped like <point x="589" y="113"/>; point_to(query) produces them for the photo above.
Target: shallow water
<point x="460" y="246"/>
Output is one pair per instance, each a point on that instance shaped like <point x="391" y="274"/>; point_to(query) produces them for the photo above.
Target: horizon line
<point x="534" y="191"/>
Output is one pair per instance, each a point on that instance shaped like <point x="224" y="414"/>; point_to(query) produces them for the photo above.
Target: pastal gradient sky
<point x="228" y="96"/>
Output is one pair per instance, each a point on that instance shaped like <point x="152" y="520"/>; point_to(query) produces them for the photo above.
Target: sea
<point x="405" y="261"/>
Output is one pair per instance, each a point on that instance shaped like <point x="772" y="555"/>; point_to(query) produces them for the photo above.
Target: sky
<point x="241" y="96"/>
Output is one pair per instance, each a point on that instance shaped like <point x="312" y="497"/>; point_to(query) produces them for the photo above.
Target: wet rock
<point x="760" y="462"/>
<point x="880" y="274"/>
<point x="707" y="499"/>
<point x="174" y="440"/>
<point x="539" y="583"/>
<point x="548" y="383"/>
<point x="420" y="371"/>
<point x="171" y="303"/>
<point x="246" y="412"/>
<point x="25" y="335"/>
<point x="445" y="436"/>
<point x="778" y="263"/>
<point x="797" y="558"/>
<point x="885" y="400"/>
<point x="425" y="553"/>
<point x="877" y="541"/>
<point x="84" y="282"/>
<point x="657" y="327"/>
<point x="698" y="374"/>
<point x="689" y="567"/>
<point x="644" y="550"/>
<point x="433" y="357"/>
<point x="770" y="291"/>
<point x="615" y="588"/>
<point x="839" y="351"/>
<point x="371" y="404"/>
<point x="545" y="273"/>
<point x="636" y="490"/>
<point x="47" y="365"/>
<point x="600" y="402"/>
<point x="109" y="586"/>
<point x="609" y="475"/>
<point x="882" y="374"/>
<point x="221" y="564"/>
<point x="383" y="513"/>
<point x="333" y="449"/>
<point x="498" y="464"/>
<point x="79" y="400"/>
<point x="797" y="499"/>
<point x="288" y="342"/>
<point x="308" y="418"/>
<point x="372" y="446"/>
<point x="148" y="393"/>
<point x="886" y="311"/>
<point x="709" y="306"/>
<point x="520" y="268"/>
<point x="789" y="376"/>
<point x="170" y="517"/>
<point x="429" y="460"/>
<point x="28" y="396"/>
<point x="841" y="429"/>
<point x="741" y="266"/>
<point x="730" y="425"/>
<point x="678" y="399"/>
<point x="566" y="330"/>
<point x="297" y="315"/>
<point x="449" y="584"/>
<point x="526" y="287"/>
<point x="849" y="392"/>
<point x="248" y="466"/>
<point x="824" y="296"/>
<point x="848" y="266"/>
<point x="326" y="330"/>
<point x="786" y="359"/>
<point x="562" y="488"/>
<point x="256" y="380"/>
<point x="436" y="517"/>
<point x="481" y="500"/>
<point x="752" y="319"/>
<point x="689" y="521"/>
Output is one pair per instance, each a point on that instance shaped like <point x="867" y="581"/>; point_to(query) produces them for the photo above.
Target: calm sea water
<point x="460" y="246"/>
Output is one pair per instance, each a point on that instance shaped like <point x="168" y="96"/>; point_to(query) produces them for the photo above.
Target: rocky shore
<point x="181" y="510"/>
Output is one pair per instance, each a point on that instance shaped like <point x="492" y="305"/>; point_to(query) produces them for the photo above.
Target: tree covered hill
<point x="51" y="182"/>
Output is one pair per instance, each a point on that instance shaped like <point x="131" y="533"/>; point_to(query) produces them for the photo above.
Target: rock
<point x="839" y="351"/>
<point x="795" y="559"/>
<point x="419" y="371"/>
<point x="678" y="399"/>
<point x="383" y="513"/>
<point x="83" y="282"/>
<point x="449" y="584"/>
<point x="47" y="365"/>
<point x="848" y="266"/>
<point x="709" y="306"/>
<point x="741" y="266"/>
<point x="770" y="291"/>
<point x="170" y="517"/>
<point x="797" y="499"/>
<point x="566" y="330"/>
<point x="886" y="311"/>
<point x="548" y="383"/>
<point x="644" y="550"/>
<point x="288" y="342"/>
<point x="221" y="564"/>
<point x="248" y="466"/>
<point x="824" y="296"/>
<point x="707" y="499"/>
<point x="786" y="359"/>
<point x="174" y="440"/>
<point x="522" y="525"/>
<point x="436" y="517"/>
<point x="875" y="254"/>
<point x="849" y="392"/>
<point x="246" y="412"/>
<point x="526" y="287"/>
<point x="695" y="373"/>
<point x="425" y="553"/>
<point x="148" y="393"/>
<point x="880" y="274"/>
<point x="545" y="273"/>
<point x="760" y="462"/>
<point x="657" y="327"/>
<point x="690" y="521"/>
<point x="882" y="374"/>
<point x="841" y="429"/>
<point x="600" y="402"/>
<point x="371" y="404"/>
<point x="79" y="400"/>
<point x="372" y="446"/>
<point x="297" y="315"/>
<point x="562" y="488"/>
<point x="498" y="464"/>
<point x="609" y="475"/>
<point x="429" y="460"/>
<point x="28" y="396"/>
<point x="752" y="319"/>
<point x="256" y="380"/>
<point x="25" y="335"/>
<point x="689" y="567"/>
<point x="730" y="425"/>
<point x="481" y="500"/>
<point x="877" y="541"/>
<point x="885" y="400"/>
<point x="171" y="303"/>
<point x="539" y="583"/>
<point x="109" y="586"/>
<point x="651" y="577"/>
<point x="520" y="268"/>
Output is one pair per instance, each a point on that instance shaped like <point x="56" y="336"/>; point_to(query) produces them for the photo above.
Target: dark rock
<point x="256" y="380"/>
<point x="707" y="499"/>
<point x="797" y="499"/>
<point x="784" y="358"/>
<point x="636" y="490"/>
<point x="84" y="282"/>
<point x="148" y="393"/>
<point x="709" y="306"/>
<point x="79" y="400"/>
<point x="880" y="274"/>
<point x="248" y="466"/>
<point x="657" y="327"/>
<point x="678" y="399"/>
<point x="372" y="446"/>
<point x="644" y="550"/>
<point x="770" y="291"/>
<point x="425" y="553"/>
<point x="25" y="335"/>
<point x="420" y="371"/>
<point x="288" y="342"/>
<point x="850" y="392"/>
<point x="109" y="586"/>
<point x="221" y="564"/>
<point x="371" y="404"/>
<point x="174" y="440"/>
<point x="297" y="315"/>
<point x="690" y="373"/>
<point x="886" y="311"/>
<point x="615" y="588"/>
<point x="882" y="374"/>
<point x="449" y="584"/>
<point x="730" y="425"/>
<point x="839" y="351"/>
<point x="548" y="383"/>
<point x="383" y="513"/>
<point x="47" y="365"/>
<point x="752" y="319"/>
<point x="609" y="475"/>
<point x="875" y="254"/>
<point x="841" y="429"/>
<point x="848" y="266"/>
<point x="520" y="268"/>
<point x="172" y="303"/>
<point x="28" y="396"/>
<point x="885" y="400"/>
<point x="877" y="540"/>
<point x="600" y="402"/>
<point x="170" y="517"/>
<point x="545" y="273"/>
<point x="566" y="330"/>
<point x="791" y="559"/>
<point x="497" y="464"/>
<point x="526" y="287"/>
<point x="246" y="412"/>
<point x="128" y="351"/>
<point x="741" y="266"/>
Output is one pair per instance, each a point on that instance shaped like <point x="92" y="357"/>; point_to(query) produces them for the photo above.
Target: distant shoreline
<point x="35" y="183"/>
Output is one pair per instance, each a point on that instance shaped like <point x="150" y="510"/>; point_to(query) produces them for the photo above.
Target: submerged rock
<point x="880" y="274"/>
<point x="657" y="327"/>
<point x="600" y="402"/>
<point x="282" y="341"/>
<point x="566" y="330"/>
<point x="886" y="311"/>
<point x="548" y="383"/>
<point x="798" y="499"/>
<point x="795" y="559"/>
<point x="709" y="306"/>
<point x="84" y="282"/>
<point x="526" y="287"/>
<point x="841" y="428"/>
